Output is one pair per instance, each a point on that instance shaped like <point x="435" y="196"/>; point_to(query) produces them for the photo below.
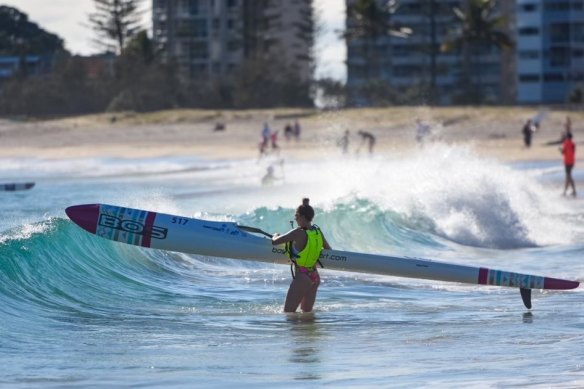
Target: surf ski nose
<point x="85" y="216"/>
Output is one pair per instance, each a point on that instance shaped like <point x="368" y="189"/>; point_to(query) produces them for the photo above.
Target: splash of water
<point x="446" y="191"/>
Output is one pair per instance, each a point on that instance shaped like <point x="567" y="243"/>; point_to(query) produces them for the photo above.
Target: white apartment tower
<point x="210" y="38"/>
<point x="550" y="49"/>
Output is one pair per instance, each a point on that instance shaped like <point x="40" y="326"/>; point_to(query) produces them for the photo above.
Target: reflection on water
<point x="307" y="336"/>
<point x="528" y="317"/>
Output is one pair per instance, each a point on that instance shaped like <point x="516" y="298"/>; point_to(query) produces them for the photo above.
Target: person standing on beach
<point x="304" y="245"/>
<point x="569" y="151"/>
<point x="528" y="130"/>
<point x="265" y="139"/>
<point x="422" y="131"/>
<point x="274" y="141"/>
<point x="343" y="142"/>
<point x="297" y="130"/>
<point x="288" y="132"/>
<point x="367" y="137"/>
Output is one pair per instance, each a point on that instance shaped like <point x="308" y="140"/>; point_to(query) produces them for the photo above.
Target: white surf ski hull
<point x="227" y="239"/>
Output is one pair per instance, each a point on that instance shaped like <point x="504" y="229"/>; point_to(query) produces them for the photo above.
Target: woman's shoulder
<point x="296" y="232"/>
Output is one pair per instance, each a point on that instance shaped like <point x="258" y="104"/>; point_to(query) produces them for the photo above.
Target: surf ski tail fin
<point x="526" y="297"/>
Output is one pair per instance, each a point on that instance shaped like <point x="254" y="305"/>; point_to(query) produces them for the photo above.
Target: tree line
<point x="141" y="78"/>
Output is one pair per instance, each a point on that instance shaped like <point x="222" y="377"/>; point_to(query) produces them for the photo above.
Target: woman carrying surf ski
<point x="304" y="245"/>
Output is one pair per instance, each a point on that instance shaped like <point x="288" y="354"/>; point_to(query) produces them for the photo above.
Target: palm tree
<point x="435" y="14"/>
<point x="479" y="28"/>
<point x="369" y="21"/>
<point x="372" y="20"/>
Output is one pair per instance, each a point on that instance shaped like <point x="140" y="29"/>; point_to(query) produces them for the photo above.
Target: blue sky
<point x="67" y="18"/>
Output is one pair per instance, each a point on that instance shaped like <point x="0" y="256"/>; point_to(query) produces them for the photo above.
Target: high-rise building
<point x="546" y="65"/>
<point x="550" y="49"/>
<point x="416" y="63"/>
<point x="210" y="38"/>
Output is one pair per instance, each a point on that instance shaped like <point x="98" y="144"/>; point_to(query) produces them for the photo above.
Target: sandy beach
<point x="492" y="132"/>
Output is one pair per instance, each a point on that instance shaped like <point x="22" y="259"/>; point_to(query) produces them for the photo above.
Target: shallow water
<point x="80" y="311"/>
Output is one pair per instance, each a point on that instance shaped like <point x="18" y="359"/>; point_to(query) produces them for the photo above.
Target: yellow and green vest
<point x="311" y="252"/>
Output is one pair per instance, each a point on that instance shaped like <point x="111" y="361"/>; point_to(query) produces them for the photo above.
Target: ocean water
<point x="78" y="311"/>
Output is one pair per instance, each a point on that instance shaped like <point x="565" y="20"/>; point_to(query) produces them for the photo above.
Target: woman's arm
<point x="325" y="244"/>
<point x="287" y="237"/>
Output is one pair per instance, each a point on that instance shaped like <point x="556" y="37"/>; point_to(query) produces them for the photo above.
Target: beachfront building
<point x="12" y="65"/>
<point x="550" y="49"/>
<point x="414" y="67"/>
<point x="210" y="38"/>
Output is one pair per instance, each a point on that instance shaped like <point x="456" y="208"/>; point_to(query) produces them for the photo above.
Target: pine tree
<point x="115" y="22"/>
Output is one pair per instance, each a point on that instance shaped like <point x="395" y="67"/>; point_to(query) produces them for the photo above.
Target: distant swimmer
<point x="367" y="137"/>
<point x="269" y="178"/>
<point x="569" y="150"/>
<point x="304" y="245"/>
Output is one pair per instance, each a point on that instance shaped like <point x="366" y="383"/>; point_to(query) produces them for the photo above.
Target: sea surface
<point x="78" y="311"/>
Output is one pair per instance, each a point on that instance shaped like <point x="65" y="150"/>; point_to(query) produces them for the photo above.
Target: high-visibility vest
<point x="311" y="252"/>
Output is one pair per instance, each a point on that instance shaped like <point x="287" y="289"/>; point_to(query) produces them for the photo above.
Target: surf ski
<point x="16" y="186"/>
<point x="230" y="240"/>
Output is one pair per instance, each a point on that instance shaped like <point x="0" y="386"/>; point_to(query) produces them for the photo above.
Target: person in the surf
<point x="569" y="150"/>
<point x="270" y="178"/>
<point x="304" y="245"/>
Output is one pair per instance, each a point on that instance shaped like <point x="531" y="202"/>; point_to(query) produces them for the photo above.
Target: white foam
<point x="457" y="194"/>
<point x="468" y="199"/>
<point x="25" y="231"/>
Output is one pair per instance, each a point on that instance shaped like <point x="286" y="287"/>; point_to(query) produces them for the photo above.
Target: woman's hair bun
<point x="305" y="209"/>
